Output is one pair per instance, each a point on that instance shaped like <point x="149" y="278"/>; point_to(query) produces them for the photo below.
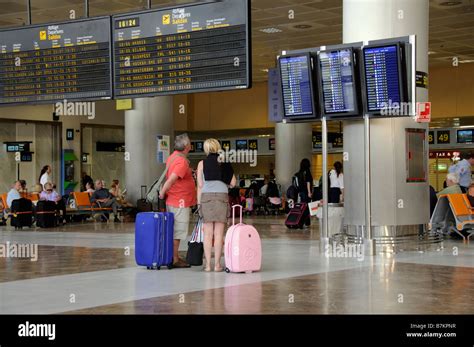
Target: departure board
<point x="296" y="84"/>
<point x="56" y="62"/>
<point x="383" y="77"/>
<point x="338" y="85"/>
<point x="194" y="48"/>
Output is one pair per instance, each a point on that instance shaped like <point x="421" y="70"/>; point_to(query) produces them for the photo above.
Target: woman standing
<point x="214" y="179"/>
<point x="336" y="178"/>
<point x="45" y="175"/>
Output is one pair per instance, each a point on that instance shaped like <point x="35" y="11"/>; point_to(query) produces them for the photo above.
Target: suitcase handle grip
<point x="233" y="213"/>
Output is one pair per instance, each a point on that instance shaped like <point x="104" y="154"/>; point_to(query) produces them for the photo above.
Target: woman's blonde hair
<point x="212" y="146"/>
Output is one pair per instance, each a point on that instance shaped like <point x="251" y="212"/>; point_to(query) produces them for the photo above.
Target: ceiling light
<point x="271" y="30"/>
<point x="302" y="26"/>
<point x="431" y="52"/>
<point x="450" y="3"/>
<point x="466" y="61"/>
<point x="264" y="70"/>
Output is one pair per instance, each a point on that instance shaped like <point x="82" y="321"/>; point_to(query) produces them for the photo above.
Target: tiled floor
<point x="90" y="268"/>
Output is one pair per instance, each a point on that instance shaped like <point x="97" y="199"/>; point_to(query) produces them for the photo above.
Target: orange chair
<point x="454" y="209"/>
<point x="4" y="200"/>
<point x="83" y="204"/>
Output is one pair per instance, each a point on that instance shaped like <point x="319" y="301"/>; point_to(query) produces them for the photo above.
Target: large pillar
<point x="149" y="118"/>
<point x="293" y="143"/>
<point x="398" y="208"/>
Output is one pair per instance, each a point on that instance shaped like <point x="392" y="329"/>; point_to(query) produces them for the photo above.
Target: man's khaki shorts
<point x="181" y="221"/>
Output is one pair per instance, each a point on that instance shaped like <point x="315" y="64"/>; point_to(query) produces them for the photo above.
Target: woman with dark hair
<point x="336" y="178"/>
<point x="45" y="175"/>
<point x="305" y="181"/>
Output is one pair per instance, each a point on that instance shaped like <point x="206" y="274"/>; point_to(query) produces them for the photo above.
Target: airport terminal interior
<point x="85" y="98"/>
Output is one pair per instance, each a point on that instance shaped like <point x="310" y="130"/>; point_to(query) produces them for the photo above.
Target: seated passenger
<point x="14" y="193"/>
<point x="104" y="199"/>
<point x="50" y="194"/>
<point x="118" y="194"/>
<point x="470" y="195"/>
<point x="452" y="183"/>
<point x="90" y="187"/>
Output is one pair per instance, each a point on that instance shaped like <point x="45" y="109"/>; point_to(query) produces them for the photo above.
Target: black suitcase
<point x="46" y="214"/>
<point x="22" y="213"/>
<point x="143" y="205"/>
<point x="298" y="216"/>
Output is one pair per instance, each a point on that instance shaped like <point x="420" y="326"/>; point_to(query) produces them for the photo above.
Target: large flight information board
<point x="338" y="84"/>
<point x="56" y="62"/>
<point x="195" y="48"/>
<point x="296" y="83"/>
<point x="383" y="77"/>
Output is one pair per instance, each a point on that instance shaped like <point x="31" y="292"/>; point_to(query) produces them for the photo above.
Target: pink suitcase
<point x="243" y="248"/>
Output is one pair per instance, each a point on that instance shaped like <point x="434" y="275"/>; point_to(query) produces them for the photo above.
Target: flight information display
<point x="383" y="77"/>
<point x="338" y="87"/>
<point x="296" y="84"/>
<point x="56" y="62"/>
<point x="195" y="48"/>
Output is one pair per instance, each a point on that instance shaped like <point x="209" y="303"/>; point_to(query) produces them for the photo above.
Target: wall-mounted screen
<point x="384" y="83"/>
<point x="187" y="49"/>
<point x="241" y="145"/>
<point x="338" y="83"/>
<point x="55" y="62"/>
<point x="296" y="73"/>
<point x="466" y="136"/>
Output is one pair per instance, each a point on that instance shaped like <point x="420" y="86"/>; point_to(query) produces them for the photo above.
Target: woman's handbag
<point x="195" y="245"/>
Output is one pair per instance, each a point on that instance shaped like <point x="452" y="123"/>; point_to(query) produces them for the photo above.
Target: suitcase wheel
<point x="158" y="268"/>
<point x="227" y="270"/>
<point x="170" y="267"/>
<point x="149" y="268"/>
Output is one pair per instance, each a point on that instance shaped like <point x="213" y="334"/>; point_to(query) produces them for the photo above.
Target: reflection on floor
<point x="90" y="268"/>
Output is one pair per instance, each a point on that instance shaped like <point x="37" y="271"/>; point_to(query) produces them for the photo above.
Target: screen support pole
<point x="369" y="242"/>
<point x="324" y="239"/>
<point x="28" y="10"/>
<point x="86" y="8"/>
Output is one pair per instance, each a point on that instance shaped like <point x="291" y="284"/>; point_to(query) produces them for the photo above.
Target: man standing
<point x="180" y="192"/>
<point x="463" y="169"/>
<point x="103" y="197"/>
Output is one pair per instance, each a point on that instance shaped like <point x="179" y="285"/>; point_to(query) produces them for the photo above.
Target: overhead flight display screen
<point x="296" y="83"/>
<point x="195" y="48"/>
<point x="56" y="62"/>
<point x="383" y="77"/>
<point x="338" y="84"/>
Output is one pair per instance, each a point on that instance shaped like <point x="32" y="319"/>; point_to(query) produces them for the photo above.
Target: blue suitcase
<point x="154" y="240"/>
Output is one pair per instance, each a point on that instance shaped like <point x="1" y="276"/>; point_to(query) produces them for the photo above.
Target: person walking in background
<point x="304" y="184"/>
<point x="180" y="193"/>
<point x="463" y="170"/>
<point x="85" y="178"/>
<point x="45" y="175"/>
<point x="90" y="187"/>
<point x="214" y="179"/>
<point x="336" y="183"/>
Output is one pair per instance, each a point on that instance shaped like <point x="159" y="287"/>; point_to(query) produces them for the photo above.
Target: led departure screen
<point x="295" y="72"/>
<point x="188" y="49"/>
<point x="382" y="76"/>
<point x="338" y="86"/>
<point x="52" y="62"/>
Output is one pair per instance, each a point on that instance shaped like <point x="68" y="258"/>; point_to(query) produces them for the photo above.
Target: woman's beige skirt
<point x="215" y="207"/>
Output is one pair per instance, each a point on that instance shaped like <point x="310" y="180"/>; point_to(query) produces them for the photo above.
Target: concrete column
<point x="365" y="20"/>
<point x="149" y="118"/>
<point x="293" y="143"/>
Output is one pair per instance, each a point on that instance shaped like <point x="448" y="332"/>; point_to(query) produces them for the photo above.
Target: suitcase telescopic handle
<point x="233" y="213"/>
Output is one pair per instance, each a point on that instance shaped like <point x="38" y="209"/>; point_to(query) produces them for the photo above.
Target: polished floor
<point x="89" y="268"/>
